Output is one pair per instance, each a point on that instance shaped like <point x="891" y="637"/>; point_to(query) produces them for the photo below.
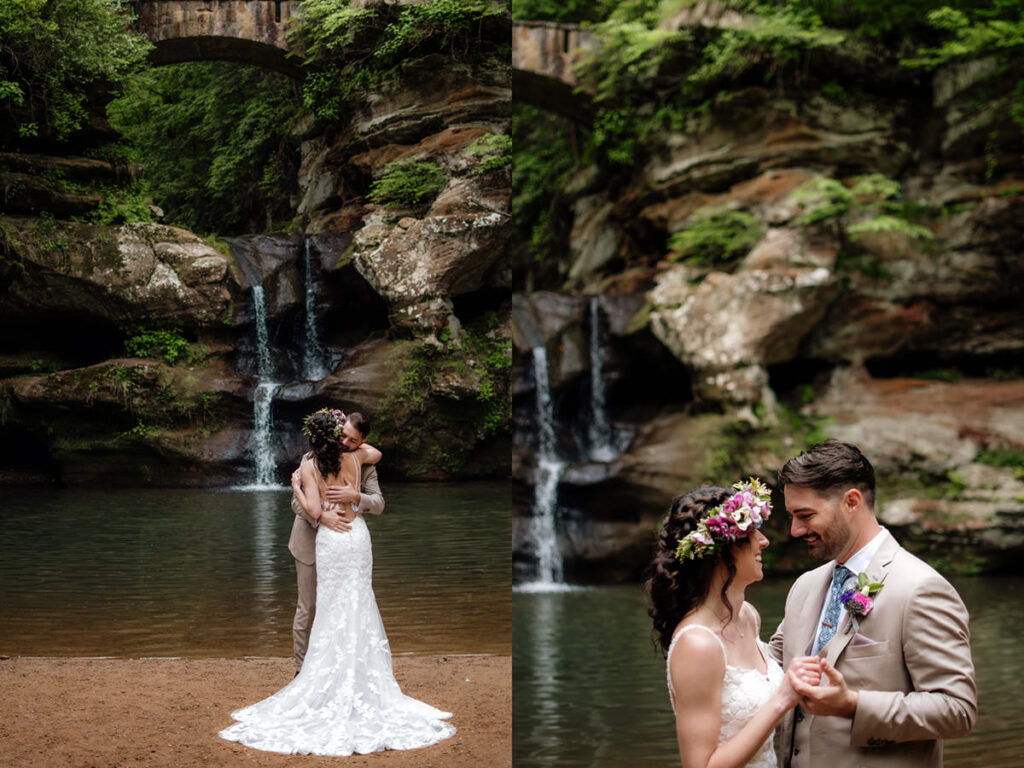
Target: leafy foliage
<point x="211" y="137"/>
<point x="494" y="151"/>
<point x="715" y="237"/>
<point x="407" y="182"/>
<point x="124" y="205"/>
<point x="542" y="161"/>
<point x="167" y="344"/>
<point x="649" y="76"/>
<point x="872" y="199"/>
<point x="563" y="11"/>
<point x="356" y="50"/>
<point x="55" y="55"/>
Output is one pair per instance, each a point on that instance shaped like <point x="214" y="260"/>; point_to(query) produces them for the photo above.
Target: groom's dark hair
<point x="360" y="422"/>
<point x="831" y="467"/>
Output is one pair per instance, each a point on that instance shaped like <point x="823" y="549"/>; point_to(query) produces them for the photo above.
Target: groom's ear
<point x="853" y="501"/>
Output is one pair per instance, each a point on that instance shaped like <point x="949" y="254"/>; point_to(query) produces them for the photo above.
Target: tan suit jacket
<point x="302" y="542"/>
<point x="910" y="662"/>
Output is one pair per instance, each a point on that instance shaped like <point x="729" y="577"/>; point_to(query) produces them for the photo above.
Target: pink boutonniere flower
<point x="858" y="601"/>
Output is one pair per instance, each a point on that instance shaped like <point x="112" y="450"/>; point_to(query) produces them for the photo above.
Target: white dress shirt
<point x="857" y="562"/>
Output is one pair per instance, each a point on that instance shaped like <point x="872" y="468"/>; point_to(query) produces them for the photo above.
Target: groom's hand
<point x="337" y="521"/>
<point x="832" y="697"/>
<point x="342" y="494"/>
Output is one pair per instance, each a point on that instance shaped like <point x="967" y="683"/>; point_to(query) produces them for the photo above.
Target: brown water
<point x="207" y="573"/>
<point x="590" y="691"/>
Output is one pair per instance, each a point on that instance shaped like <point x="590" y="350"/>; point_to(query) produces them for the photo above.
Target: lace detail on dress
<point x="345" y="698"/>
<point x="744" y="691"/>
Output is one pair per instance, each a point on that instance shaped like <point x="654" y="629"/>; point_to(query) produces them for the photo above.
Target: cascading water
<point x="263" y="397"/>
<point x="600" y="436"/>
<point x="313" y="365"/>
<point x="545" y="488"/>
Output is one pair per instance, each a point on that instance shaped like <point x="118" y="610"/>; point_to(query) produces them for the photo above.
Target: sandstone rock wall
<point x="908" y="344"/>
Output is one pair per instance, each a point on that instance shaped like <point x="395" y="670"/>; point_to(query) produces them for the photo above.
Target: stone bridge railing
<point x="544" y="55"/>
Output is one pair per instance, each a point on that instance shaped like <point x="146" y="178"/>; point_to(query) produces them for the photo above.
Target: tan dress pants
<point x="305" y="610"/>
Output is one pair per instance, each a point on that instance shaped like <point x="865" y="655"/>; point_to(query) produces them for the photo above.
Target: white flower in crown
<point x="730" y="521"/>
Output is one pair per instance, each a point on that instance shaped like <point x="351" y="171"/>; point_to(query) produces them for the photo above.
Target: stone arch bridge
<point x="253" y="32"/>
<point x="243" y="31"/>
<point x="544" y="55"/>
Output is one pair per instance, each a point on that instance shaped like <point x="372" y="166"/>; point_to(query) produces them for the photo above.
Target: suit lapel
<point x="877" y="571"/>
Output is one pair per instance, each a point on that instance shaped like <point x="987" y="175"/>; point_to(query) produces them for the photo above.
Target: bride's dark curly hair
<point x="326" y="447"/>
<point x="673" y="588"/>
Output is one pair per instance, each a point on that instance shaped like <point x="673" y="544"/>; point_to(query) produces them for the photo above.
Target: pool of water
<point x="207" y="573"/>
<point x="589" y="689"/>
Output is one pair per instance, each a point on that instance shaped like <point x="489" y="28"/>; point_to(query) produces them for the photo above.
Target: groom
<point x="366" y="499"/>
<point x="897" y="679"/>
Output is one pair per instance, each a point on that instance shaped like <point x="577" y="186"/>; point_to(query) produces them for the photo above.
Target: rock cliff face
<point x="410" y="305"/>
<point x="420" y="258"/>
<point x="903" y="337"/>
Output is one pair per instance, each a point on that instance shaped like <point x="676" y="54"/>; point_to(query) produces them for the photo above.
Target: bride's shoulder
<point x="696" y="643"/>
<point x="696" y="657"/>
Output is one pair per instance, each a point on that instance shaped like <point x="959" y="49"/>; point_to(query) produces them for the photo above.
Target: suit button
<point x="796" y="750"/>
<point x="799" y="716"/>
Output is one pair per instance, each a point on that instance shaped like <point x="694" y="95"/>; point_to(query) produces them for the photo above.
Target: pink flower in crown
<point x="702" y="538"/>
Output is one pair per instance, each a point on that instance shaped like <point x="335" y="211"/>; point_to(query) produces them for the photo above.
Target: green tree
<point x="211" y="137"/>
<point x="57" y="57"/>
<point x="352" y="51"/>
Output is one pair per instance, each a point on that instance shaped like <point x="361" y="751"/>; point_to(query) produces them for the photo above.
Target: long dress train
<point x="345" y="698"/>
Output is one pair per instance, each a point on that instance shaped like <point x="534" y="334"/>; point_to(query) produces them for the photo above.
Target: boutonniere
<point x="857" y="601"/>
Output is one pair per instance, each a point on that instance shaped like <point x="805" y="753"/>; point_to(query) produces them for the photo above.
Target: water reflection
<point x="207" y="573"/>
<point x="590" y="690"/>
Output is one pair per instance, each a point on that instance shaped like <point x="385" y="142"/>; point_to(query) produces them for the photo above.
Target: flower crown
<point x="730" y="521"/>
<point x="337" y="418"/>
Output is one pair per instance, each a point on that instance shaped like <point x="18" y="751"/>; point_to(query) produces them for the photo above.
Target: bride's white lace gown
<point x="744" y="691"/>
<point x="345" y="698"/>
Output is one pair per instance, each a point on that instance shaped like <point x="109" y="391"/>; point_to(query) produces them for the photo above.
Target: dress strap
<point x="687" y="628"/>
<point x="757" y="619"/>
<point x="672" y="647"/>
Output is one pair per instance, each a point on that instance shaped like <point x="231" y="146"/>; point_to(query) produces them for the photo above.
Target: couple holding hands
<point x="871" y="665"/>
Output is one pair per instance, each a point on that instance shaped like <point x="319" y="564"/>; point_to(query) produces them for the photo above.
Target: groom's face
<point x="351" y="438"/>
<point x="819" y="521"/>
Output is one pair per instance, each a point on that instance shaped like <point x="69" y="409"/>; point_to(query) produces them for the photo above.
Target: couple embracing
<point x="344" y="698"/>
<point x="871" y="665"/>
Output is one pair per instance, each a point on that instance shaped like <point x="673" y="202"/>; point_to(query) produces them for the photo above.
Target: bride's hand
<point x="807" y="669"/>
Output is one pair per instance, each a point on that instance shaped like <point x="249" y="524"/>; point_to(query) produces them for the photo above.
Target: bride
<point x="345" y="698"/>
<point x="727" y="692"/>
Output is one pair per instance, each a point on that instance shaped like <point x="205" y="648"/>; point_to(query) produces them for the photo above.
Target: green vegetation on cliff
<point x="56" y="57"/>
<point x="657" y="74"/>
<point x="353" y="51"/>
<point x="211" y="138"/>
<point x="449" y="403"/>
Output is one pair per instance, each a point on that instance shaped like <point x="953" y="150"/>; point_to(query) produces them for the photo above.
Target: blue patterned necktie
<point x="828" y="629"/>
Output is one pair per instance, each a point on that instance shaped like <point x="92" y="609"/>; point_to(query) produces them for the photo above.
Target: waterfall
<point x="601" y="438"/>
<point x="263" y="398"/>
<point x="313" y="365"/>
<point x="545" y="488"/>
<point x="264" y="366"/>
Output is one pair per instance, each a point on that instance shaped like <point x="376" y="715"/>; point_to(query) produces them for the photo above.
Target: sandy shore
<point x="163" y="713"/>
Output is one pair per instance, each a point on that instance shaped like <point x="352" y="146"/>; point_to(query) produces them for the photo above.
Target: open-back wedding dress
<point x="345" y="698"/>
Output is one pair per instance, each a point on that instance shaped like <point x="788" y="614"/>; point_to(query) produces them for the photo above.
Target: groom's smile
<point x="818" y="521"/>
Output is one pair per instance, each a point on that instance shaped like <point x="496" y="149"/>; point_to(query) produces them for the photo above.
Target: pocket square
<point x="859" y="639"/>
